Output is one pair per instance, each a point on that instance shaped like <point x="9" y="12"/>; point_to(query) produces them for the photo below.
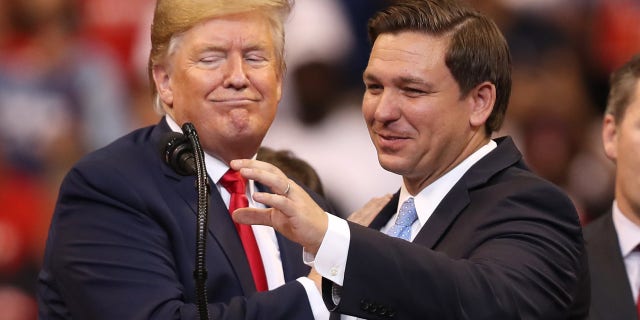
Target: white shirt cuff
<point x="331" y="258"/>
<point x="318" y="307"/>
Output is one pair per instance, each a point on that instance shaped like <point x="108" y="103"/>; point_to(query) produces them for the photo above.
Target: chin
<point x="390" y="164"/>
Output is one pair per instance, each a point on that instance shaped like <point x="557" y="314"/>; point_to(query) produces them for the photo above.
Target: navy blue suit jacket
<point x="122" y="245"/>
<point x="502" y="244"/>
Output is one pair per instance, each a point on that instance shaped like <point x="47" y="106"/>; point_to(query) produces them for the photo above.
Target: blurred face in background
<point x="622" y="145"/>
<point x="223" y="76"/>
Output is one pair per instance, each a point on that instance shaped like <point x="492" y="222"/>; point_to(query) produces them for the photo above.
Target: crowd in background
<point x="73" y="78"/>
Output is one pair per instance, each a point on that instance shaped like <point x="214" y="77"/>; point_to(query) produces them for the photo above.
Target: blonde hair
<point x="174" y="17"/>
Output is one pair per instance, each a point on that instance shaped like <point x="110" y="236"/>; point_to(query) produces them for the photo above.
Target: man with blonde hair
<point x="122" y="239"/>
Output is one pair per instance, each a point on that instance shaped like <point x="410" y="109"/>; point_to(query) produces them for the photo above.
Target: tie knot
<point x="407" y="215"/>
<point x="233" y="181"/>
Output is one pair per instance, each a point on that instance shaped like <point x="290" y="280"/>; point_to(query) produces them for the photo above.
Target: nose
<point x="235" y="76"/>
<point x="387" y="107"/>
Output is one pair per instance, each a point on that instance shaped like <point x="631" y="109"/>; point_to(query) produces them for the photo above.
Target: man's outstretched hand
<point x="290" y="210"/>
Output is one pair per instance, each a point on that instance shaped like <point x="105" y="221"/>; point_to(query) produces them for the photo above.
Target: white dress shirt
<point x="330" y="260"/>
<point x="628" y="237"/>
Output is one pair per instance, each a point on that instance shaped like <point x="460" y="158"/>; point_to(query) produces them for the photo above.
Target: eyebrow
<point x="403" y="80"/>
<point x="215" y="47"/>
<point x="412" y="80"/>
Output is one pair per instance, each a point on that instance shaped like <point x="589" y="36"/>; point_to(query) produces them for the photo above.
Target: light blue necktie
<point x="406" y="217"/>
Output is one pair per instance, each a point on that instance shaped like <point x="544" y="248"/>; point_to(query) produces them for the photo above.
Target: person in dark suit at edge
<point x="612" y="240"/>
<point x="472" y="233"/>
<point x="121" y="243"/>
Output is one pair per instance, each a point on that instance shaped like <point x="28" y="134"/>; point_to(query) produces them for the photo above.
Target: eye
<point x="373" y="88"/>
<point x="413" y="92"/>
<point x="210" y="59"/>
<point x="256" y="58"/>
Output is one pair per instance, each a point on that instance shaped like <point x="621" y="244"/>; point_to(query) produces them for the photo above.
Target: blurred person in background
<point x="613" y="240"/>
<point x="293" y="167"/>
<point x="60" y="95"/>
<point x="552" y="115"/>
<point x="612" y="36"/>
<point x="22" y="227"/>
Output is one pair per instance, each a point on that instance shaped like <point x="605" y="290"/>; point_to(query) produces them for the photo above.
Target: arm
<point x="513" y="256"/>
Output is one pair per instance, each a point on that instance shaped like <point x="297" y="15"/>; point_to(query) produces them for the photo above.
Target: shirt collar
<point x="628" y="232"/>
<point x="430" y="197"/>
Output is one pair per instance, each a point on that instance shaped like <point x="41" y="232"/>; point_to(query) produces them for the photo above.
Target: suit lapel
<point x="220" y="225"/>
<point x="457" y="199"/>
<point x="443" y="216"/>
<point x="611" y="291"/>
<point x="386" y="213"/>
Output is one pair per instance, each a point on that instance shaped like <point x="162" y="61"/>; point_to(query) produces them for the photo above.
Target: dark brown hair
<point x="622" y="88"/>
<point x="477" y="49"/>
<point x="294" y="167"/>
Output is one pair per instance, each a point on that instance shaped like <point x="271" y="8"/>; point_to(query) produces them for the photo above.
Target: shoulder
<point x="131" y="150"/>
<point x="122" y="162"/>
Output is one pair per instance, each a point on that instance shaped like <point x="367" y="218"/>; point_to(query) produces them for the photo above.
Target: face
<point x="224" y="78"/>
<point x="418" y="121"/>
<point x="622" y="145"/>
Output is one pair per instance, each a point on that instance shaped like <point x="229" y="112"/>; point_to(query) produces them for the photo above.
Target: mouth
<point x="390" y="136"/>
<point x="390" y="141"/>
<point x="234" y="101"/>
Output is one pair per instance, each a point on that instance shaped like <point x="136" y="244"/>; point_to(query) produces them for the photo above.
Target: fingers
<point x="265" y="173"/>
<point x="252" y="216"/>
<point x="290" y="210"/>
<point x="370" y="210"/>
<point x="316" y="277"/>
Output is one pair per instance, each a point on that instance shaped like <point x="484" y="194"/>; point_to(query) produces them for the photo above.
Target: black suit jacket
<point x="122" y="245"/>
<point x="502" y="244"/>
<point x="611" y="296"/>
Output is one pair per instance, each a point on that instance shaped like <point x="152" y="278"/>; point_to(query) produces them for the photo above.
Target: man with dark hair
<point x="614" y="238"/>
<point x="472" y="233"/>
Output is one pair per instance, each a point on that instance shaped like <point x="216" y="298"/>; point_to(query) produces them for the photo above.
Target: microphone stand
<point x="202" y="184"/>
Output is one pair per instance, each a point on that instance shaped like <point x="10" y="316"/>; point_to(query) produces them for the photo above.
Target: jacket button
<point x="391" y="313"/>
<point x="365" y="305"/>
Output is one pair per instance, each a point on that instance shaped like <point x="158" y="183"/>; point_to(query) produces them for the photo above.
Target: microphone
<point x="184" y="154"/>
<point x="176" y="150"/>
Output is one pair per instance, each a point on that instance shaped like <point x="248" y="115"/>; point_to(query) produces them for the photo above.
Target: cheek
<point x="368" y="109"/>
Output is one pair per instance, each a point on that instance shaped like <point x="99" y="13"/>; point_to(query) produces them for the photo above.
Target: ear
<point x="279" y="87"/>
<point x="482" y="98"/>
<point x="162" y="79"/>
<point x="610" y="137"/>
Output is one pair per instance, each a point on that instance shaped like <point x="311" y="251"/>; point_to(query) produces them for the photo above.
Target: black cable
<point x="202" y="184"/>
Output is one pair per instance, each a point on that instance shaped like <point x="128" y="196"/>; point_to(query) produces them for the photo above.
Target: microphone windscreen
<point x="176" y="151"/>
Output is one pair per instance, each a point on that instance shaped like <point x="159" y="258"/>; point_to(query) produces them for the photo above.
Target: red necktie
<point x="235" y="184"/>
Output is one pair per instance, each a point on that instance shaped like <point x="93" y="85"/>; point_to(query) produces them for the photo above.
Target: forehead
<point x="247" y="29"/>
<point x="409" y="53"/>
